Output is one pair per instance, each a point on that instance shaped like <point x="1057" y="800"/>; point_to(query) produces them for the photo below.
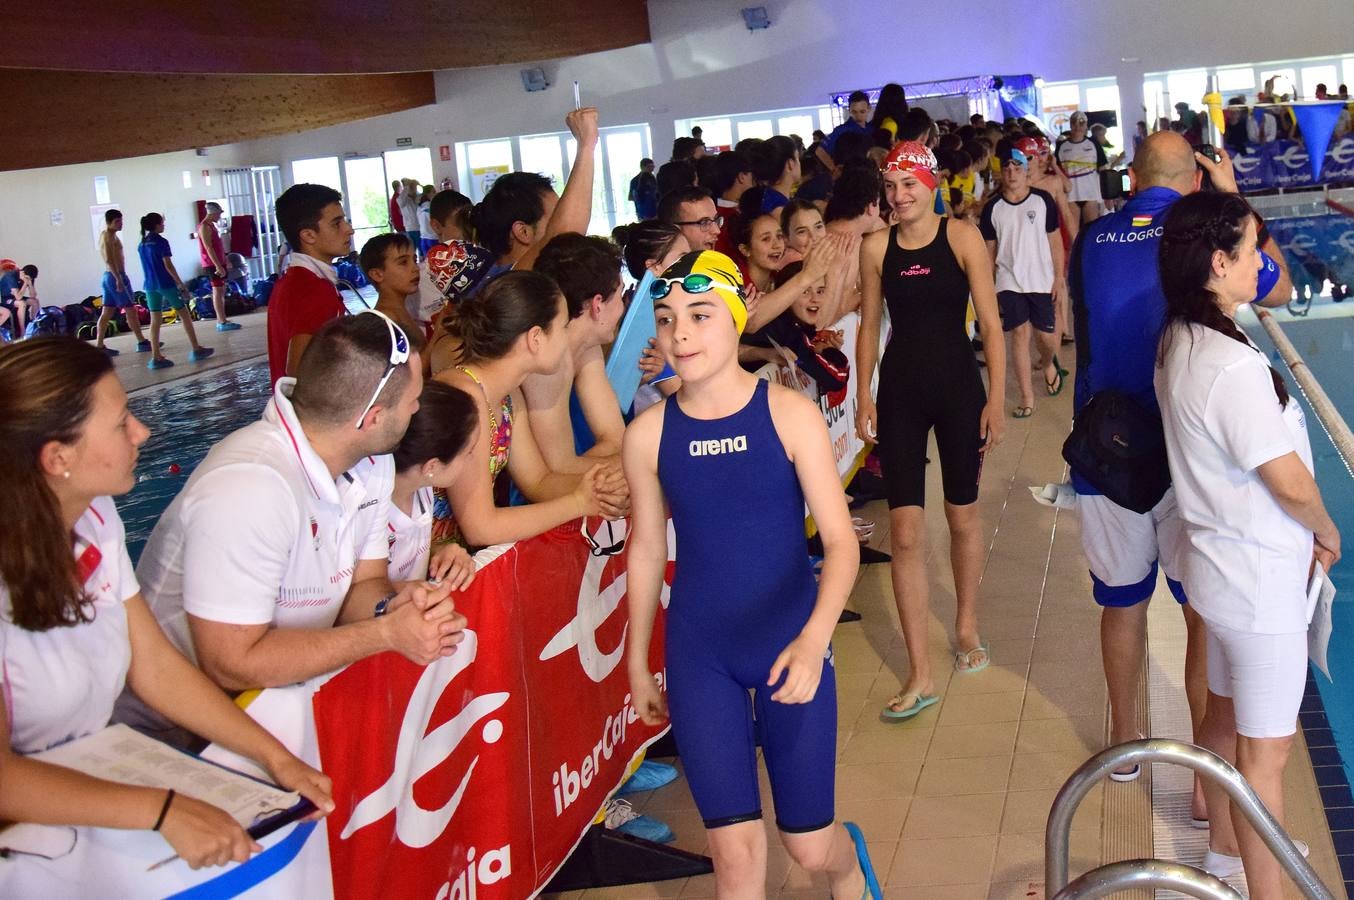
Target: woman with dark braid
<point x="1255" y="524"/>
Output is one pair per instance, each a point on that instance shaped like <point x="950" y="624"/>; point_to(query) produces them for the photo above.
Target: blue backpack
<point x="52" y="320"/>
<point x="263" y="289"/>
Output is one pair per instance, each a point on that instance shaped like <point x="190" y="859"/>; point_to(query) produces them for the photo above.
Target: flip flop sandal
<point x="1054" y="387"/>
<point x="872" y="889"/>
<point x="1022" y="412"/>
<point x="900" y="715"/>
<point x="963" y="660"/>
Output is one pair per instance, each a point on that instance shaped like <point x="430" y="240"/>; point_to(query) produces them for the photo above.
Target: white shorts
<point x="1264" y="674"/>
<point x="1123" y="548"/>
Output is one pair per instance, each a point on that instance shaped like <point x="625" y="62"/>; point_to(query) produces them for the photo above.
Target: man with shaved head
<point x="1119" y="310"/>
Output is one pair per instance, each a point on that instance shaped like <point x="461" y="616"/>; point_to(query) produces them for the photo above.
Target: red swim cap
<point x="913" y="158"/>
<point x="1028" y="146"/>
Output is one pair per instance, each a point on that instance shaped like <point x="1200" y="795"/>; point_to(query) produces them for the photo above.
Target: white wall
<point x="703" y="61"/>
<point x="66" y="255"/>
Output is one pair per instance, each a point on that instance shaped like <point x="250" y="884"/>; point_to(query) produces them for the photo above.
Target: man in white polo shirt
<point x="269" y="567"/>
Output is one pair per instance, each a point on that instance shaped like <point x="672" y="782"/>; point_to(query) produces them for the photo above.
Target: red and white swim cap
<point x="913" y="158"/>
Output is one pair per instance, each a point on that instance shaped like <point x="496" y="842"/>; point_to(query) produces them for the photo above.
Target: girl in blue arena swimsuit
<point x="733" y="459"/>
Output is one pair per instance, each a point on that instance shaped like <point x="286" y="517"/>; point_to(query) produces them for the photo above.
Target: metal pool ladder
<point x="1157" y="873"/>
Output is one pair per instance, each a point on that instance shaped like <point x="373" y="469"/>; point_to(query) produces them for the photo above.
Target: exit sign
<point x="404" y="142"/>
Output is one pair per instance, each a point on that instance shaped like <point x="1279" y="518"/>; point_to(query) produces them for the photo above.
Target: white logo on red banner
<point x="416" y="754"/>
<point x="595" y="606"/>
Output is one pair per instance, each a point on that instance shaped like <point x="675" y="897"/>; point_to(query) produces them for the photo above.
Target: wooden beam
<point x="324" y="37"/>
<point x="80" y="117"/>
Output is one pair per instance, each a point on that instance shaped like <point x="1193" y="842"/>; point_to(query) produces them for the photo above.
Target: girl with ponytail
<point x="1241" y="464"/>
<point x="511" y="329"/>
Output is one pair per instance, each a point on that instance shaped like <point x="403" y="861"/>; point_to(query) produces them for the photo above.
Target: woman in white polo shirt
<point x="1241" y="464"/>
<point x="73" y="627"/>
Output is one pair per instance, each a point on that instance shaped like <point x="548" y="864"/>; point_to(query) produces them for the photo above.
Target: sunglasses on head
<point x="399" y="355"/>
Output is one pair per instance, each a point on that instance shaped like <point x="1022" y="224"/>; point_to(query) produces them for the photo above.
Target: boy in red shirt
<point x="312" y="220"/>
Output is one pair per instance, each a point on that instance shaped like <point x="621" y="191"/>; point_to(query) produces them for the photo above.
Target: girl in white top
<point x="1242" y="469"/>
<point x="432" y="454"/>
<point x="73" y="626"/>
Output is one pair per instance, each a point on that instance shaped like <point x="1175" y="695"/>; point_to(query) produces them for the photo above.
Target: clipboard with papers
<point x="1320" y="596"/>
<point x="120" y="754"/>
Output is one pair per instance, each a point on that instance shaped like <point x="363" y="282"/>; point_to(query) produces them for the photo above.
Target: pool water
<point x="1327" y="346"/>
<point x="185" y="421"/>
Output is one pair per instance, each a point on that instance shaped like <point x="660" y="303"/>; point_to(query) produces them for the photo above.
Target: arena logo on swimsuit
<point x="723" y="445"/>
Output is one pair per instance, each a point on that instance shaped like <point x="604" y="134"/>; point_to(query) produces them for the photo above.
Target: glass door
<point x="368" y="197"/>
<point x="414" y="162"/>
<point x="623" y="151"/>
<point x="480" y="163"/>
<point x="544" y="155"/>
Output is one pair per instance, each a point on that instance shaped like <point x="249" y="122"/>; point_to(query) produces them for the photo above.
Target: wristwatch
<point x="384" y="604"/>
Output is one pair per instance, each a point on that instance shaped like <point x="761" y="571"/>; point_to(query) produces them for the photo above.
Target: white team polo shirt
<point x="409" y="538"/>
<point x="1245" y="566"/>
<point x="61" y="683"/>
<point x="262" y="535"/>
<point x="1021" y="230"/>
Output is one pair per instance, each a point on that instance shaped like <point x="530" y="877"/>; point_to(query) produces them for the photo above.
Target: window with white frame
<point x="619" y="150"/>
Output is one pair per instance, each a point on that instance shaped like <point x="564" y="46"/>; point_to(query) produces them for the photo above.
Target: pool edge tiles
<point x="1337" y="799"/>
<point x="178" y="381"/>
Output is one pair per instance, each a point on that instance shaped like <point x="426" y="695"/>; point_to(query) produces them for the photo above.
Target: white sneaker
<point x="1220" y="865"/>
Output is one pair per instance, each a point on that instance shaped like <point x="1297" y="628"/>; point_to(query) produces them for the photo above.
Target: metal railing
<point x="1157" y="873"/>
<point x="1325" y="410"/>
<point x="1139" y="874"/>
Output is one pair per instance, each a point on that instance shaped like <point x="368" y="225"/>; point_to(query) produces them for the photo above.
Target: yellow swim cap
<point x="702" y="271"/>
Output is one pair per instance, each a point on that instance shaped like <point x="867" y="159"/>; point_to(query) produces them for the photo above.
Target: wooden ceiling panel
<point x="327" y="37"/>
<point x="91" y="117"/>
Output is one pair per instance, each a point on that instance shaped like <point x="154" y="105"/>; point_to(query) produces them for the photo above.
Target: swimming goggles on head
<point x="399" y="355"/>
<point x="694" y="283"/>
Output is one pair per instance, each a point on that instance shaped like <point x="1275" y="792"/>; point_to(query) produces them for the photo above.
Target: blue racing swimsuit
<point x="742" y="591"/>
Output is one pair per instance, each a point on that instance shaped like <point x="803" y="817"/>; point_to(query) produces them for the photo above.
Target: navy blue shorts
<point x="1017" y="309"/>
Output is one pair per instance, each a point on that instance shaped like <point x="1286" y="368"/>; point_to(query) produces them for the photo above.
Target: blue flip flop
<point x="872" y="889"/>
<point x="922" y="701"/>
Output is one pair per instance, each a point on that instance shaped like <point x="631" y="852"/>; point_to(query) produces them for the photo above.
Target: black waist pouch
<point x="1118" y="445"/>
